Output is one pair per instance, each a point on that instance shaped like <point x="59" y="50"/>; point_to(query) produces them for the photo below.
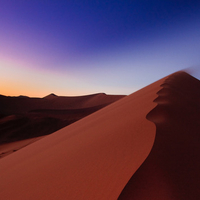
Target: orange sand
<point x="90" y="159"/>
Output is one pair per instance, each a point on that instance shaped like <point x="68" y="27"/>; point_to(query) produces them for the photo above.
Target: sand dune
<point x="171" y="171"/>
<point x="144" y="146"/>
<point x="92" y="158"/>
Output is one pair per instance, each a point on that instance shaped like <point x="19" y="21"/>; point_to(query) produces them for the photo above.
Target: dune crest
<point x="171" y="171"/>
<point x="92" y="158"/>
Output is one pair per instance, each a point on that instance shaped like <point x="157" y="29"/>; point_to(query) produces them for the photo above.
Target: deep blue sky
<point x="80" y="47"/>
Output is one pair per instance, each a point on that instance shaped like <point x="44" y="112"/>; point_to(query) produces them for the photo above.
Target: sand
<point x="171" y="171"/>
<point x="144" y="146"/>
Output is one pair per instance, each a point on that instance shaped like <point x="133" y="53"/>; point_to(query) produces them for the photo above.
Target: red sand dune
<point x="97" y="156"/>
<point x="172" y="170"/>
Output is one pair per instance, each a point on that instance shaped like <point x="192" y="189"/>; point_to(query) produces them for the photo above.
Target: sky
<point x="78" y="47"/>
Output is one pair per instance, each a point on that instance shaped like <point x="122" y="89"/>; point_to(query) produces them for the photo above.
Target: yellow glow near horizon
<point x="17" y="80"/>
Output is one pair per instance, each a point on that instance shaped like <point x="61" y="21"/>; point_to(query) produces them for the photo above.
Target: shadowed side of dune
<point x="39" y="122"/>
<point x="171" y="171"/>
<point x="22" y="105"/>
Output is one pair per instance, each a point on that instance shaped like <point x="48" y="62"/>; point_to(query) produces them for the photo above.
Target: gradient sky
<point x="76" y="47"/>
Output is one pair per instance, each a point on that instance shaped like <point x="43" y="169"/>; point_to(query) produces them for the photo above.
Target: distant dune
<point x="23" y="104"/>
<point x="23" y="118"/>
<point x="144" y="146"/>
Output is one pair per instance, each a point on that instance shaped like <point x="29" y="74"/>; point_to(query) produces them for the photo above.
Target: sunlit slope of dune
<point x="91" y="159"/>
<point x="171" y="171"/>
